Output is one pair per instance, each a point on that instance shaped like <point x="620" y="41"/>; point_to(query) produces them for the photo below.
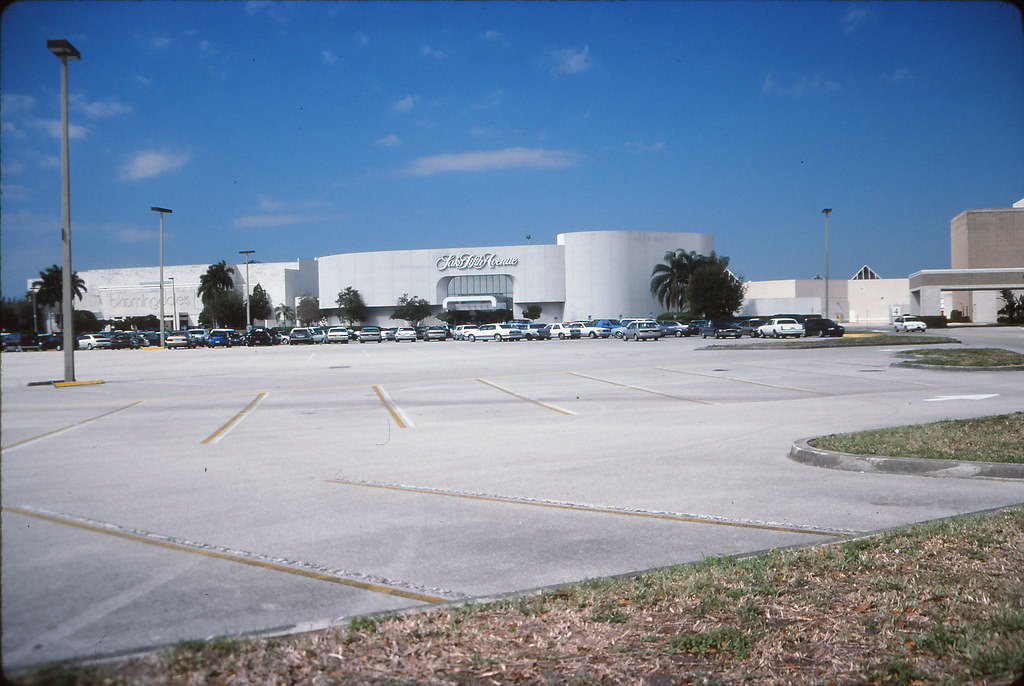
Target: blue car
<point x="218" y="337"/>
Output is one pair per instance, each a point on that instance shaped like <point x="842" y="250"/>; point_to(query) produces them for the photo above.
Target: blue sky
<point x="306" y="129"/>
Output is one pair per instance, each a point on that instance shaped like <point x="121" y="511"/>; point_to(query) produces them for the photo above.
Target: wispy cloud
<point x="798" y="86"/>
<point x="405" y="104"/>
<point x="268" y="204"/>
<point x="640" y="148"/>
<point x="389" y="141"/>
<point x="361" y="39"/>
<point x="133" y="234"/>
<point x="571" y="61"/>
<point x="251" y="221"/>
<point x="509" y="158"/>
<point x="329" y="57"/>
<point x="15" y="103"/>
<point x="53" y="128"/>
<point x="99" y="109"/>
<point x="146" y="164"/>
<point x="432" y="52"/>
<point x="900" y="75"/>
<point x="854" y="18"/>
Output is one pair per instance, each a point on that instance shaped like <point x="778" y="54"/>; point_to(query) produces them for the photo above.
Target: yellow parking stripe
<point x="733" y="378"/>
<point x="590" y="508"/>
<point x="403" y="422"/>
<point x="526" y="398"/>
<point x="640" y="388"/>
<point x="70" y="426"/>
<point x="420" y="597"/>
<point x="219" y="433"/>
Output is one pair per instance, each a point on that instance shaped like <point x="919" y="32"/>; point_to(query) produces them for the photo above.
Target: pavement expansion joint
<point x="605" y="509"/>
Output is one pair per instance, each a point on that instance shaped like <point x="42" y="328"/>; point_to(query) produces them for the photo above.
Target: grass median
<point x="936" y="603"/>
<point x="965" y="357"/>
<point x="844" y="342"/>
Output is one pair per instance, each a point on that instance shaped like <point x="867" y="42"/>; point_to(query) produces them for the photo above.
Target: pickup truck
<point x="781" y="328"/>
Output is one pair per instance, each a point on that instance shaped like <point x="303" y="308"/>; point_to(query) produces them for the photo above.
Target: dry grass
<point x="965" y="357"/>
<point x="987" y="439"/>
<point x="844" y="342"/>
<point x="939" y="603"/>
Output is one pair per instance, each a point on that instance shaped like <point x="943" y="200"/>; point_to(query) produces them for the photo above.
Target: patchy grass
<point x="937" y="603"/>
<point x="965" y="357"/>
<point x="844" y="342"/>
<point x="986" y="439"/>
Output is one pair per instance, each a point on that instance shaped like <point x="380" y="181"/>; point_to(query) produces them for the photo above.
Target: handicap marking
<point x="960" y="397"/>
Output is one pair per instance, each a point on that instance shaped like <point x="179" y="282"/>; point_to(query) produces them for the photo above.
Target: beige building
<point x="864" y="299"/>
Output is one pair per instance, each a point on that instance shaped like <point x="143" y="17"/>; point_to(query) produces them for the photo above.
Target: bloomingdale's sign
<point x="463" y="262"/>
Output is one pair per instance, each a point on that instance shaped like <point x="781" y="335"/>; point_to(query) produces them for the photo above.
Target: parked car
<point x="405" y="333"/>
<point x="494" y="332"/>
<point x="338" y="334"/>
<point x="218" y="338"/>
<point x="435" y="333"/>
<point x="50" y="341"/>
<point x="748" y="327"/>
<point x="641" y="330"/>
<point x="370" y="333"/>
<point x="781" y="328"/>
<point x="593" y="330"/>
<point x="461" y="330"/>
<point x="93" y="341"/>
<point x="677" y="329"/>
<point x="388" y="334"/>
<point x="259" y="336"/>
<point x="721" y="328"/>
<point x="236" y="337"/>
<point x="563" y="331"/>
<point x="198" y="336"/>
<point x="823" y="327"/>
<point x="318" y="334"/>
<point x="179" y="339"/>
<point x="908" y="323"/>
<point x="610" y="324"/>
<point x="536" y="332"/>
<point x="300" y="334"/>
<point x="121" y="340"/>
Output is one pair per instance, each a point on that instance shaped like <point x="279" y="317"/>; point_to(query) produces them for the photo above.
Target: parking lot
<point x="209" y="492"/>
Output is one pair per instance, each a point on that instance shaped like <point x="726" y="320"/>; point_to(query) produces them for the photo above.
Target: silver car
<point x="641" y="330"/>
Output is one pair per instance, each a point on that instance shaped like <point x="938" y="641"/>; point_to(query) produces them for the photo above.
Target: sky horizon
<point x="305" y="129"/>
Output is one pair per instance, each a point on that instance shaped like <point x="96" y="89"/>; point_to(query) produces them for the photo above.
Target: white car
<point x="494" y="332"/>
<point x="781" y="328"/>
<point x="593" y="330"/>
<point x="338" y="334"/>
<point x="318" y="334"/>
<point x="909" y="322"/>
<point x="405" y="333"/>
<point x="563" y="331"/>
<point x="460" y="331"/>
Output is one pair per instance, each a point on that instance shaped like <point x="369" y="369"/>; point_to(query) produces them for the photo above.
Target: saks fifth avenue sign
<point x="466" y="261"/>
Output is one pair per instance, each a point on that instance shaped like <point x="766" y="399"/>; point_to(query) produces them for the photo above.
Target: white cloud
<point x="798" y="86"/>
<point x="389" y="141"/>
<point x="98" y="109"/>
<point x="143" y="80"/>
<point x="432" y="53"/>
<point x="405" y="104"/>
<point x="900" y="75"/>
<point x="644" y="148"/>
<point x="361" y="39"/>
<point x="268" y="204"/>
<point x="494" y="35"/>
<point x="13" y="103"/>
<point x="133" y="234"/>
<point x="571" y="61"/>
<point x="251" y="221"/>
<point x="854" y="18"/>
<point x="13" y="191"/>
<point x="146" y="164"/>
<point x="329" y="57"/>
<point x="159" y="43"/>
<point x="509" y="158"/>
<point x="53" y="127"/>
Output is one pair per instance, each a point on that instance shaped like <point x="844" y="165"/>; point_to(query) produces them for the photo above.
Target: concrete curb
<point x="944" y="367"/>
<point x="915" y="466"/>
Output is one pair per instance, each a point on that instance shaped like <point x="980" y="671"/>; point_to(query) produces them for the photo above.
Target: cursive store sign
<point x="466" y="261"/>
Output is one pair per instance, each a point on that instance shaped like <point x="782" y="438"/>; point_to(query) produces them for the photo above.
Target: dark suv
<point x="823" y="327"/>
<point x="720" y="328"/>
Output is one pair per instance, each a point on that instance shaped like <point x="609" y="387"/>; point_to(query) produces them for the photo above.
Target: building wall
<point x="989" y="238"/>
<point x="866" y="301"/>
<point x="608" y="273"/>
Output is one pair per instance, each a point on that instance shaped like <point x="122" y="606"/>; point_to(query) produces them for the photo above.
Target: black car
<point x="260" y="337"/>
<point x="720" y="328"/>
<point x="748" y="327"/>
<point x="300" y="335"/>
<point x="121" y="341"/>
<point x="823" y="327"/>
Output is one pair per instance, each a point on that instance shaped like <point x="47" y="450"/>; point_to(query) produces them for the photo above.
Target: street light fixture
<point x="64" y="51"/>
<point x="827" y="211"/>
<point x="248" y="321"/>
<point x="35" y="323"/>
<point x="162" y="212"/>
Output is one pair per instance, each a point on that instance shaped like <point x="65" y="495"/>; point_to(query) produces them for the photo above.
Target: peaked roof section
<point x="865" y="272"/>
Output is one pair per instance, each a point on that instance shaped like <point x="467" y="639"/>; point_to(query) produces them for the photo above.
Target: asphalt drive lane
<point x="486" y="492"/>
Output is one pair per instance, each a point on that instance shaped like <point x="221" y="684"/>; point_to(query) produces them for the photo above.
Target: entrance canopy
<point x="470" y="302"/>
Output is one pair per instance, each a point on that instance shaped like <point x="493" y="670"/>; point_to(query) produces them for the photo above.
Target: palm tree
<point x="669" y="280"/>
<point x="217" y="279"/>
<point x="284" y="313"/>
<point x="49" y="287"/>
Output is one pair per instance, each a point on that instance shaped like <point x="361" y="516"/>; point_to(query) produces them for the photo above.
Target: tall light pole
<point x="64" y="52"/>
<point x="35" y="324"/>
<point x="174" y="303"/>
<point x="827" y="211"/>
<point x="248" y="321"/>
<point x="162" y="212"/>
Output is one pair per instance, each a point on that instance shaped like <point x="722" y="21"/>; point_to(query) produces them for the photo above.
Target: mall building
<point x="583" y="275"/>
